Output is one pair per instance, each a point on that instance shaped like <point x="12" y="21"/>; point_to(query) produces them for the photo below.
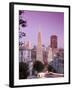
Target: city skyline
<point x="48" y="23"/>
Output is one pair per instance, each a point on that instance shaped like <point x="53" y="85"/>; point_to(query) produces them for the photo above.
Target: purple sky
<point x="49" y="23"/>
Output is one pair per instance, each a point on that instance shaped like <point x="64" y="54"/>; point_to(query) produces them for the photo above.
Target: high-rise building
<point x="28" y="45"/>
<point x="53" y="41"/>
<point x="33" y="53"/>
<point x="50" y="55"/>
<point x="45" y="57"/>
<point x="39" y="48"/>
<point x="61" y="53"/>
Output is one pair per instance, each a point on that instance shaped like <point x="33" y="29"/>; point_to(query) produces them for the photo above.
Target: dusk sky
<point x="49" y="23"/>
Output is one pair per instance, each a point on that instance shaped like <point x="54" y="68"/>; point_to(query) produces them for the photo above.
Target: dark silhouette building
<point x="33" y="53"/>
<point x="53" y="41"/>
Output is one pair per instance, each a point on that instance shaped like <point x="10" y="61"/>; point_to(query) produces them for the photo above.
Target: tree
<point x="51" y="69"/>
<point x="23" y="70"/>
<point x="38" y="66"/>
<point x="22" y="23"/>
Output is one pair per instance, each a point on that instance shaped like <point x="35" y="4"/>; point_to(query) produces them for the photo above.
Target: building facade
<point x="53" y="42"/>
<point x="39" y="54"/>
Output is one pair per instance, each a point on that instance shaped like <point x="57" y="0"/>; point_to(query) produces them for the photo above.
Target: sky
<point x="48" y="23"/>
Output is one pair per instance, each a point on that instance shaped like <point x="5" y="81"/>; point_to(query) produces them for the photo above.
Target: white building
<point x="50" y="57"/>
<point x="39" y="48"/>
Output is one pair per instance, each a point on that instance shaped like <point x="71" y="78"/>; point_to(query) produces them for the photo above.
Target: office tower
<point x="28" y="45"/>
<point x="53" y="41"/>
<point x="33" y="53"/>
<point x="50" y="55"/>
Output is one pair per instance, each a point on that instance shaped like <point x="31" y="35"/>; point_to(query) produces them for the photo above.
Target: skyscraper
<point x="53" y="41"/>
<point x="50" y="53"/>
<point x="39" y="56"/>
<point x="28" y="45"/>
<point x="54" y="45"/>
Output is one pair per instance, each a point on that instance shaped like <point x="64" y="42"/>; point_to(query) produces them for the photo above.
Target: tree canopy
<point x="23" y="70"/>
<point x="38" y="66"/>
